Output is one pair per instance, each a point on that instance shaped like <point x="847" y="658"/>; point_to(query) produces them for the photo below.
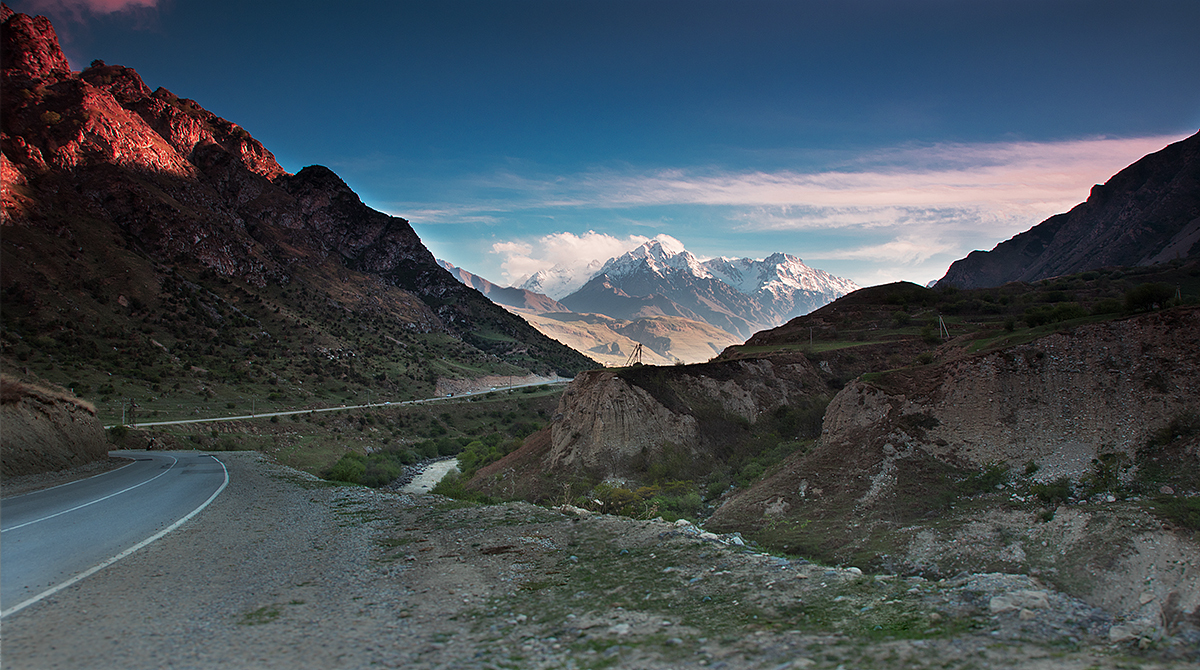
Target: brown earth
<point x="285" y="571"/>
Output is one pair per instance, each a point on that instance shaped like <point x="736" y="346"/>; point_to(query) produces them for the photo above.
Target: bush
<point x="349" y="468"/>
<point x="992" y="475"/>
<point x="1147" y="297"/>
<point x="1053" y="493"/>
<point x="116" y="434"/>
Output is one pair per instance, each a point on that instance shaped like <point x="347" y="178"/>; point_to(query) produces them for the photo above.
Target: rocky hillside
<point x="648" y="424"/>
<point x="46" y="430"/>
<point x="138" y="223"/>
<point x="1097" y="415"/>
<point x="1145" y="214"/>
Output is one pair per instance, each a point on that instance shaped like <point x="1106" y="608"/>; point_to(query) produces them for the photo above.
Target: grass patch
<point x="263" y="615"/>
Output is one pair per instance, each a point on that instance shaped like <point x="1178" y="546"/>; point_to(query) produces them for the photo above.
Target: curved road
<point x="52" y="538"/>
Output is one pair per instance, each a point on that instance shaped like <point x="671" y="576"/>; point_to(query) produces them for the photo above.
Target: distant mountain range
<point x="1147" y="213"/>
<point x="505" y="296"/>
<point x="679" y="308"/>
<point x="740" y="296"/>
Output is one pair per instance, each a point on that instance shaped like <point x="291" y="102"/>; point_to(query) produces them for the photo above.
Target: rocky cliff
<point x="46" y="430"/>
<point x="1145" y="214"/>
<point x="688" y="419"/>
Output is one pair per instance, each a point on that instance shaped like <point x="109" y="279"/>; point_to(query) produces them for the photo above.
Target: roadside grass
<point x="263" y="615"/>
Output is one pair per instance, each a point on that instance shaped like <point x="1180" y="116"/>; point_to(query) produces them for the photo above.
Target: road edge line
<point x="93" y="570"/>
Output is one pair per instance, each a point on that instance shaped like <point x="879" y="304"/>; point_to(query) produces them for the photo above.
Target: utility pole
<point x="944" y="331"/>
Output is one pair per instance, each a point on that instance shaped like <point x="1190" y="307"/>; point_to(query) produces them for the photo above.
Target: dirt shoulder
<point x="284" y="571"/>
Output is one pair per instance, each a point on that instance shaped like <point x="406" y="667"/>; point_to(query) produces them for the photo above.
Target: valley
<point x="740" y="463"/>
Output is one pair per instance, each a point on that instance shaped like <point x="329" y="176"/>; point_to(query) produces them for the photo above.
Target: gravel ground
<point x="284" y="571"/>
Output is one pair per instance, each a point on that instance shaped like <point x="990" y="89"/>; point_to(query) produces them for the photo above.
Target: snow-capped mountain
<point x="560" y="280"/>
<point x="738" y="295"/>
<point x="782" y="278"/>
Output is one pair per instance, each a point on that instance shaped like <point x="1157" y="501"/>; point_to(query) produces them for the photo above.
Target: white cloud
<point x="565" y="252"/>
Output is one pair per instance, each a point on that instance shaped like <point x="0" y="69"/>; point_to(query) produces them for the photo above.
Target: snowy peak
<point x="778" y="274"/>
<point x="559" y="281"/>
<point x="659" y="258"/>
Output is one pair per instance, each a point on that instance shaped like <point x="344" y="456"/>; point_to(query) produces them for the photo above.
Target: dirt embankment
<point x="46" y="429"/>
<point x="890" y="483"/>
<point x="1059" y="401"/>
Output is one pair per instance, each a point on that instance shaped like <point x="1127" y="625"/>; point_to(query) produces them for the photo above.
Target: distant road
<point x="342" y="408"/>
<point x="52" y="538"/>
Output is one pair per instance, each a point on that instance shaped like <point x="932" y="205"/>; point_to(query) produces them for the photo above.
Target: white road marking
<point x="93" y="502"/>
<point x="93" y="570"/>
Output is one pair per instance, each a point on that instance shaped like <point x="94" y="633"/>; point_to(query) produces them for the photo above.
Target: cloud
<point x="890" y="211"/>
<point x="903" y="251"/>
<point x="1015" y="174"/>
<point x="77" y="8"/>
<point x="567" y="253"/>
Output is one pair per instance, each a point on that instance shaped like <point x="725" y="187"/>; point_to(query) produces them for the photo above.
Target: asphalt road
<point x="52" y="538"/>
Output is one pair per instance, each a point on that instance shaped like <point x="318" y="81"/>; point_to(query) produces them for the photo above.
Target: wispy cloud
<point x="1003" y="175"/>
<point x="77" y="8"/>
<point x="898" y="207"/>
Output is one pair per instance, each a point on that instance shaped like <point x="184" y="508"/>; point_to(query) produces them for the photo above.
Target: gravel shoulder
<point x="285" y="571"/>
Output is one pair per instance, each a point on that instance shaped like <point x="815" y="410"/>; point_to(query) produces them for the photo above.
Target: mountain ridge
<point x="1147" y="213"/>
<point x="740" y="296"/>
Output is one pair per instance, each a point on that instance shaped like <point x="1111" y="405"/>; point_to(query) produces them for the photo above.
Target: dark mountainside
<point x="148" y="239"/>
<point x="1145" y="214"/>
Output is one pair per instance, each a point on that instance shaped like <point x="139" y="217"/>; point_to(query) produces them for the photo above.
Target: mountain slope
<point x="1147" y="213"/>
<point x="508" y="296"/>
<point x="137" y="222"/>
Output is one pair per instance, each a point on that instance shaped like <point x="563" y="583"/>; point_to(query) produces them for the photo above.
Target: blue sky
<point x="876" y="139"/>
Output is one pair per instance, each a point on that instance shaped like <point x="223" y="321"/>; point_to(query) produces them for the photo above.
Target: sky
<point x="879" y="140"/>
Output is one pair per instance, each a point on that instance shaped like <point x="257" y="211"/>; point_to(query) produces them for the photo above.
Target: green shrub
<point x="986" y="480"/>
<point x="1147" y="297"/>
<point x="349" y="468"/>
<point x="1053" y="493"/>
<point x="116" y="434"/>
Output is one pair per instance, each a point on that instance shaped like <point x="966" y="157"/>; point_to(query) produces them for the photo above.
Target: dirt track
<point x="284" y="571"/>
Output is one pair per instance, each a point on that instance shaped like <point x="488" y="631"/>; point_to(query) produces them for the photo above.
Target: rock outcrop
<point x="1145" y="214"/>
<point x="46" y="430"/>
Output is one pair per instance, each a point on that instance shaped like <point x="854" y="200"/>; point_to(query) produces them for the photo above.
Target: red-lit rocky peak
<point x="56" y="118"/>
<point x="30" y="46"/>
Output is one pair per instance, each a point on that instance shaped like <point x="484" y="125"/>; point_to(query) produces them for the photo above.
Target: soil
<point x="286" y="571"/>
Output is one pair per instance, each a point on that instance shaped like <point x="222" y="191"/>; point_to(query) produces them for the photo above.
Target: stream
<point x="430" y="476"/>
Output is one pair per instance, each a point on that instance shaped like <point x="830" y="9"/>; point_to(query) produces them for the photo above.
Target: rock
<point x="1019" y="600"/>
<point x="1128" y="631"/>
